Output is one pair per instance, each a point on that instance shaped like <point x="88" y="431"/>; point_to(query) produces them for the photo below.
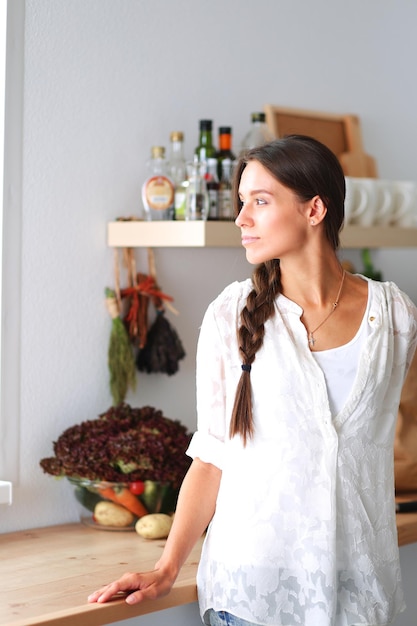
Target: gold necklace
<point x="311" y="340"/>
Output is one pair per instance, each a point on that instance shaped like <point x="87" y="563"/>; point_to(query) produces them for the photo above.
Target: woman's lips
<point x="246" y="240"/>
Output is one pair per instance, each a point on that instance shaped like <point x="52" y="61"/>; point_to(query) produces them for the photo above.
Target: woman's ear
<point x="316" y="210"/>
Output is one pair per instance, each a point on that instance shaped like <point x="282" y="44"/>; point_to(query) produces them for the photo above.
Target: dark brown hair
<point x="310" y="169"/>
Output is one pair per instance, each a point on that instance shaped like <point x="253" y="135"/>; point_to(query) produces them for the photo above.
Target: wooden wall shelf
<point x="132" y="234"/>
<point x="173" y="234"/>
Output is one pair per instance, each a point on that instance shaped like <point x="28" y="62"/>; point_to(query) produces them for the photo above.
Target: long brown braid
<point x="308" y="168"/>
<point x="258" y="309"/>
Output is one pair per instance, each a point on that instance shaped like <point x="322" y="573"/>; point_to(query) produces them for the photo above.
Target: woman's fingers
<point x="149" y="585"/>
<point x="128" y="582"/>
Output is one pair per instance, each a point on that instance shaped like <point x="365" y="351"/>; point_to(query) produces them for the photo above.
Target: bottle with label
<point x="178" y="173"/>
<point x="225" y="148"/>
<point x="205" y="149"/>
<point x="258" y="133"/>
<point x="212" y="183"/>
<point x="225" y="192"/>
<point x="158" y="190"/>
<point x="196" y="200"/>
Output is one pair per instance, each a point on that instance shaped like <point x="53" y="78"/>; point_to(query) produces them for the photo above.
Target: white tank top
<point x="339" y="366"/>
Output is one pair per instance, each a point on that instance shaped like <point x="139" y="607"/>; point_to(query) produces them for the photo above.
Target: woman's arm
<point x="195" y="508"/>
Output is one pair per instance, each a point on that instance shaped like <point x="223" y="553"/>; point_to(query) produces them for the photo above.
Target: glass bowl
<point x="139" y="498"/>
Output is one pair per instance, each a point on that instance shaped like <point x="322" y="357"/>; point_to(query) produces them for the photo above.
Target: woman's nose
<point x="242" y="218"/>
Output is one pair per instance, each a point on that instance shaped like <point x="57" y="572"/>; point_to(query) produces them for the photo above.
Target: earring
<point x="312" y="222"/>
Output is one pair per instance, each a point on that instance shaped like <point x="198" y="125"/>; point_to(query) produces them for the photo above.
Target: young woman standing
<point x="299" y="376"/>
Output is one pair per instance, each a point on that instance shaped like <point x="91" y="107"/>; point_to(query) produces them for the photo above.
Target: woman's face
<point x="273" y="221"/>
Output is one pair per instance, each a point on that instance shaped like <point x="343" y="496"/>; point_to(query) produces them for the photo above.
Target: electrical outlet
<point x="5" y="492"/>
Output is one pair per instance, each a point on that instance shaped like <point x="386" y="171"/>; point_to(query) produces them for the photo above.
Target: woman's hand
<point x="192" y="515"/>
<point x="145" y="586"/>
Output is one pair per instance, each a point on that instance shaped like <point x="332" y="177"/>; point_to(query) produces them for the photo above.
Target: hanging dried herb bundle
<point x="158" y="349"/>
<point x="120" y="356"/>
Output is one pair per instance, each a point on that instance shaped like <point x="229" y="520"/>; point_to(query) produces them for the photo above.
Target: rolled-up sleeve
<point x="208" y="442"/>
<point x="207" y="448"/>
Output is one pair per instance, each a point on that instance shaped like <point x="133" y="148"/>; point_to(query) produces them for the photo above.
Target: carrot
<point x="122" y="496"/>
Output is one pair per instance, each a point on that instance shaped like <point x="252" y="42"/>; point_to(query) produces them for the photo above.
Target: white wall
<point x="103" y="81"/>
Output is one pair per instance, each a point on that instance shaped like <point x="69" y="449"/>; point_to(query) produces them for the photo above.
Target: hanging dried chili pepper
<point x="137" y="316"/>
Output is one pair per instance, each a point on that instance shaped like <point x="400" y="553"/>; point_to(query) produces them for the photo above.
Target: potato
<point x="112" y="514"/>
<point x="154" y="526"/>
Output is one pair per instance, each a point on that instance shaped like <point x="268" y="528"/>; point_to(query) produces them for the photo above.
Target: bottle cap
<point x="206" y="124"/>
<point x="176" y="135"/>
<point x="158" y="152"/>
<point x="258" y="117"/>
<point x="225" y="130"/>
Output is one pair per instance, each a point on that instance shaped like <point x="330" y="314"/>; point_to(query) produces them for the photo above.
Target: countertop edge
<point x="183" y="592"/>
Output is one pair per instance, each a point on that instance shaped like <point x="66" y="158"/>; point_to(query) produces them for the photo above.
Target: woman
<point x="299" y="375"/>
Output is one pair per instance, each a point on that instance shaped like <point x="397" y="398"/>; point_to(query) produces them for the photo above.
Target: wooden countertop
<point x="46" y="574"/>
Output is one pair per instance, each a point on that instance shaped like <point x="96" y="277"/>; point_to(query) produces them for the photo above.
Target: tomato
<point x="137" y="487"/>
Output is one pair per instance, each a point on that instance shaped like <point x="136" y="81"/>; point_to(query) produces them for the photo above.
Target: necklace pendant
<point x="311" y="340"/>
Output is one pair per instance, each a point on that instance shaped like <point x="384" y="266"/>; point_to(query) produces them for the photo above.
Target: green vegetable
<point x="159" y="498"/>
<point x="87" y="498"/>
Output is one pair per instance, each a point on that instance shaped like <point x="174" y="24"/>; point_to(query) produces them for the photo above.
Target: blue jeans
<point x="222" y="618"/>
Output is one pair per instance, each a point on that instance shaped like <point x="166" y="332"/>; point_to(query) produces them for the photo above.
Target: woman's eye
<point x="260" y="201"/>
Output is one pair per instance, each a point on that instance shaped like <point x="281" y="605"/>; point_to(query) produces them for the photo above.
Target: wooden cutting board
<point x="356" y="162"/>
<point x="341" y="133"/>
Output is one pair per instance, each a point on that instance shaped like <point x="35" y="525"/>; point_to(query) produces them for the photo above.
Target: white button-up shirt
<point x="304" y="531"/>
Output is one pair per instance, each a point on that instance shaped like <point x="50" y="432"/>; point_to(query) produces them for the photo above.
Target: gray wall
<point x="94" y="85"/>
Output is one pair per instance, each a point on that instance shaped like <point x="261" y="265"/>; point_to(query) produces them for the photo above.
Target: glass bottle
<point x="225" y="147"/>
<point x="205" y="149"/>
<point x="225" y="192"/>
<point x="258" y="133"/>
<point x="178" y="173"/>
<point x="212" y="183"/>
<point x="196" y="199"/>
<point x="158" y="190"/>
